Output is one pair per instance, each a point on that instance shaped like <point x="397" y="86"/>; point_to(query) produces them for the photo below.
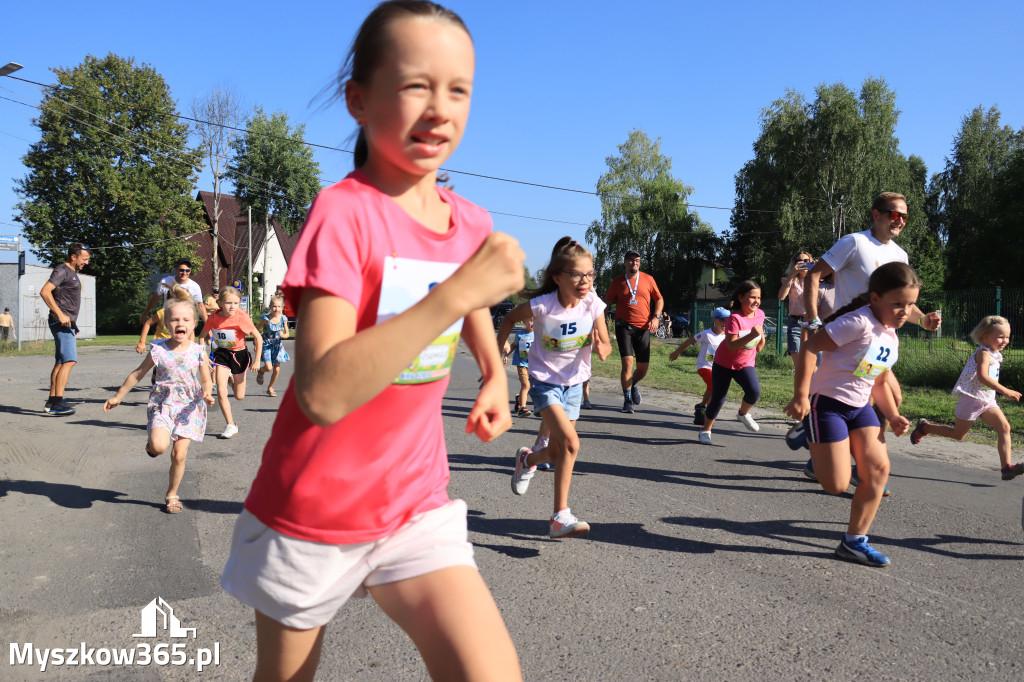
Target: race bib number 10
<point x="406" y="281"/>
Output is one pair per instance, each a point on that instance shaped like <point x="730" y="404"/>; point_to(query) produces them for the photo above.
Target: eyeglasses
<point x="184" y="270"/>
<point x="894" y="215"/>
<point x="576" y="275"/>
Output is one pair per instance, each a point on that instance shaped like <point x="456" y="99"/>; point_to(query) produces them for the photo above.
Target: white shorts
<point x="302" y="584"/>
<point x="970" y="408"/>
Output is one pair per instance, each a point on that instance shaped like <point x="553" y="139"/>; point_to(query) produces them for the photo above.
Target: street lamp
<point x="9" y="68"/>
<point x="6" y="70"/>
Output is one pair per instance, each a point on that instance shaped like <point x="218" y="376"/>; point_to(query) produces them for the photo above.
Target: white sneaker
<point x="522" y="474"/>
<point x="705" y="437"/>
<point x="565" y="525"/>
<point x="230" y="431"/>
<point x="748" y="421"/>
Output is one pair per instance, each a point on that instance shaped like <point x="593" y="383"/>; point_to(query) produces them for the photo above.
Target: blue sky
<point x="558" y="84"/>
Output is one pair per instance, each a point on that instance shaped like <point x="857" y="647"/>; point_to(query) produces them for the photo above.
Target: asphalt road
<point x="703" y="562"/>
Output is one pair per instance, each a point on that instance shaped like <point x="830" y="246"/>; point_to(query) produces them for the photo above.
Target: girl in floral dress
<point x="182" y="389"/>
<point x="273" y="327"/>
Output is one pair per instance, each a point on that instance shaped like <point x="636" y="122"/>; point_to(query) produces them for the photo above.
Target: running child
<point x="708" y="342"/>
<point x="351" y="495"/>
<point x="860" y="346"/>
<point x="977" y="388"/>
<point x="182" y="389"/>
<point x="520" y="360"/>
<point x="273" y="327"/>
<point x="735" y="357"/>
<point x="570" y="317"/>
<point x="156" y="322"/>
<point x="227" y="329"/>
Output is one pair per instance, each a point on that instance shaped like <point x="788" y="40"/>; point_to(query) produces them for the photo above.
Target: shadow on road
<point x="69" y="496"/>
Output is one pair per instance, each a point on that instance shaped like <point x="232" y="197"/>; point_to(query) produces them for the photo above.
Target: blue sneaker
<point x="635" y="395"/>
<point x="796" y="437"/>
<point x="855" y="481"/>
<point x="859" y="551"/>
<point x="627" y="406"/>
<point x="809" y="470"/>
<point x="545" y="466"/>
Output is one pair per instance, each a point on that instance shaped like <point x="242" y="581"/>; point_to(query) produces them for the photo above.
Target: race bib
<point x="223" y="338"/>
<point x="993" y="371"/>
<point x="524" y="349"/>
<point x="709" y="356"/>
<point x="753" y="344"/>
<point x="406" y="281"/>
<point x="880" y="356"/>
<point x="564" y="336"/>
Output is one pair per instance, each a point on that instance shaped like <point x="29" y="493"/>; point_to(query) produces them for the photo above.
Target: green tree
<point x="973" y="199"/>
<point x="112" y="169"/>
<point x="273" y="169"/>
<point x="643" y="207"/>
<point x="817" y="166"/>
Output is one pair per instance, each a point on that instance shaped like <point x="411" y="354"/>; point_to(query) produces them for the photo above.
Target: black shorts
<point x="633" y="341"/>
<point x="237" y="361"/>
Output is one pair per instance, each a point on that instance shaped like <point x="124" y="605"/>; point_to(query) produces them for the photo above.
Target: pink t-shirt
<point x="562" y="349"/>
<point x="363" y="477"/>
<point x="866" y="349"/>
<point x="796" y="296"/>
<point x="739" y="324"/>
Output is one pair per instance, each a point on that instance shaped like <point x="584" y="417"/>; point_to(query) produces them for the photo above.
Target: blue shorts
<point x="65" y="343"/>
<point x="544" y="395"/>
<point x="831" y="420"/>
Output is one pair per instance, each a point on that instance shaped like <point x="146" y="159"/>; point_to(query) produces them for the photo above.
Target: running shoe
<point x="524" y="412"/>
<point x="1013" y="471"/>
<point x="918" y="433"/>
<point x="565" y="525"/>
<point x="50" y="402"/>
<point x="859" y="551"/>
<point x="698" y="414"/>
<point x="230" y="431"/>
<point x="635" y="395"/>
<point x="62" y="409"/>
<point x="704" y="438"/>
<point x="748" y="421"/>
<point x="587" y="405"/>
<point x="796" y="437"/>
<point x="523" y="473"/>
<point x="627" y="406"/>
<point x="809" y="470"/>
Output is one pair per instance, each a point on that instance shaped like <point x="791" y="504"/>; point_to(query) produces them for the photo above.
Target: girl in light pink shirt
<point x="860" y="347"/>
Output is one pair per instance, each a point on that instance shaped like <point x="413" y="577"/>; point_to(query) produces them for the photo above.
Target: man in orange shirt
<point x="633" y="294"/>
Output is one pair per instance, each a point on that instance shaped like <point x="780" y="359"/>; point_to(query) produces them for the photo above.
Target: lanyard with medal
<point x="633" y="288"/>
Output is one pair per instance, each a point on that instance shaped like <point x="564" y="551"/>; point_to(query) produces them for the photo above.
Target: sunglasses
<point x="184" y="270"/>
<point x="894" y="215"/>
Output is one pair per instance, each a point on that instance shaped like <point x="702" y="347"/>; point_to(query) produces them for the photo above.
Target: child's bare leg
<point x="158" y="441"/>
<point x="178" y="454"/>
<point x="452" y="619"/>
<point x="706" y="399"/>
<point x="995" y="418"/>
<point x="284" y="653"/>
<point x="264" y="368"/>
<point x="274" y="373"/>
<point x="831" y="462"/>
<point x="223" y="400"/>
<point x="240" y="384"/>
<point x="745" y="407"/>
<point x="563" y="446"/>
<point x="872" y="459"/>
<point x="955" y="432"/>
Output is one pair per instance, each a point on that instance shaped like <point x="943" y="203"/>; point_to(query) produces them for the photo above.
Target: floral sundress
<point x="176" y="399"/>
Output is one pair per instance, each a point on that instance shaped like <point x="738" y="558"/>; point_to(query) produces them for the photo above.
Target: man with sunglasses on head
<point x="62" y="294"/>
<point x="852" y="259"/>
<point x="183" y="278"/>
<point x="634" y="293"/>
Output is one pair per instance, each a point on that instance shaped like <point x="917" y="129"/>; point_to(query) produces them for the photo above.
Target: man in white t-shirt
<point x="183" y="278"/>
<point x="852" y="259"/>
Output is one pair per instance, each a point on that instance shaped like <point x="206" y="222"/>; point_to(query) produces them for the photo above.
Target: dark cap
<point x="631" y="252"/>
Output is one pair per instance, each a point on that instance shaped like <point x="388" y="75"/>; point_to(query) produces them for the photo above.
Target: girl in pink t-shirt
<point x="860" y="347"/>
<point x="734" y="359"/>
<point x="390" y="270"/>
<point x="568" y="322"/>
<point x="977" y="388"/>
<point x="226" y="329"/>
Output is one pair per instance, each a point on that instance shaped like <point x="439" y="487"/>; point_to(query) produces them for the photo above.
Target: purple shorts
<point x="831" y="420"/>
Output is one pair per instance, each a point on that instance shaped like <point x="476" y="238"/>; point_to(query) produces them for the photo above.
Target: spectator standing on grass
<point x="182" y="277"/>
<point x="792" y="290"/>
<point x="638" y="305"/>
<point x="6" y="325"/>
<point x="62" y="294"/>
